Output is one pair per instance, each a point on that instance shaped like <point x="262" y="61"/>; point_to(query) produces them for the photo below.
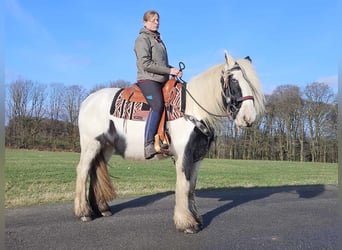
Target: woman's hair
<point x="148" y="14"/>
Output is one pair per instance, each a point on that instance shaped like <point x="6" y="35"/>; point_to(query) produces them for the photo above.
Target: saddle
<point x="130" y="103"/>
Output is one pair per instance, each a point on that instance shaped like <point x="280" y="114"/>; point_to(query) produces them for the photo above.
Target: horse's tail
<point x="101" y="189"/>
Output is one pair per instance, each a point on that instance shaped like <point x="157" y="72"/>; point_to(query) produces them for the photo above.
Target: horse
<point x="231" y="89"/>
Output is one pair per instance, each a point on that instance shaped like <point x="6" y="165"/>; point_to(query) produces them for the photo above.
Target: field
<point x="37" y="177"/>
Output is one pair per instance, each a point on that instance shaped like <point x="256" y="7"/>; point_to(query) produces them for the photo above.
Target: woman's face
<point x="153" y="23"/>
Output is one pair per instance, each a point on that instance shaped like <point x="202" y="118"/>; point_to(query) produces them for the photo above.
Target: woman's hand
<point x="176" y="72"/>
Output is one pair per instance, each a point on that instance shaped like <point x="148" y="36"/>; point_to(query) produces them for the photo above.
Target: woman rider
<point x="153" y="72"/>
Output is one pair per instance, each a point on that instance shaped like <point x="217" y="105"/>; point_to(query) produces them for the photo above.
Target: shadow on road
<point x="140" y="202"/>
<point x="234" y="197"/>
<point x="238" y="196"/>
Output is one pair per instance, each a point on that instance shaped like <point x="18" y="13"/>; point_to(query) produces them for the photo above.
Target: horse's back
<point x="94" y="112"/>
<point x="99" y="100"/>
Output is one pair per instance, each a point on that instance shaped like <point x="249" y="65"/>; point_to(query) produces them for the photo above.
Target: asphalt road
<point x="295" y="217"/>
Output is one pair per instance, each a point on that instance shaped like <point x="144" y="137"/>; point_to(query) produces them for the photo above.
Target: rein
<point x="226" y="86"/>
<point x="181" y="68"/>
<point x="204" y="109"/>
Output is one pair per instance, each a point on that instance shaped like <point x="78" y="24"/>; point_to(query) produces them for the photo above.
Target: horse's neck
<point x="205" y="88"/>
<point x="205" y="84"/>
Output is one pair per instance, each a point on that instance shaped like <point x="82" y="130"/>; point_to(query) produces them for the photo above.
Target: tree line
<point x="298" y="124"/>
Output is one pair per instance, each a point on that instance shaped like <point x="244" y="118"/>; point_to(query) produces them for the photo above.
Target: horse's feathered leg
<point x="101" y="189"/>
<point x="183" y="216"/>
<point x="192" y="202"/>
<point x="88" y="153"/>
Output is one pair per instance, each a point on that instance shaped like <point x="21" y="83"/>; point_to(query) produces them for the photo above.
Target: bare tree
<point x="319" y="97"/>
<point x="268" y="130"/>
<point x="296" y="125"/>
<point x="287" y="103"/>
<point x="18" y="108"/>
<point x="119" y="84"/>
<point x="73" y="98"/>
<point x="111" y="84"/>
<point x="38" y="109"/>
<point x="56" y="98"/>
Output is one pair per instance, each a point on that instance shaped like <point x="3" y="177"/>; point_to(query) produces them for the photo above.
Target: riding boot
<point x="151" y="128"/>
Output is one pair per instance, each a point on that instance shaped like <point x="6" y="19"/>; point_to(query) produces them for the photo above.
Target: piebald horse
<point x="228" y="89"/>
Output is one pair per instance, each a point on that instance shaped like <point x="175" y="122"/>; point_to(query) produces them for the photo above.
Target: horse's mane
<point x="254" y="83"/>
<point x="206" y="89"/>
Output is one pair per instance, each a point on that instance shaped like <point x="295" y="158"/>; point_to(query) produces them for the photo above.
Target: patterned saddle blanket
<point x="130" y="103"/>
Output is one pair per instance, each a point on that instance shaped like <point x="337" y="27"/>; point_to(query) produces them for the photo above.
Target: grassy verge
<point x="37" y="177"/>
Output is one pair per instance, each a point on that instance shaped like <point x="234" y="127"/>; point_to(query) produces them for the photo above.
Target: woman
<point x="153" y="73"/>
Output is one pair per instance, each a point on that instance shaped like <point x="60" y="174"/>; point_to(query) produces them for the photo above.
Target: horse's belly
<point x="133" y="132"/>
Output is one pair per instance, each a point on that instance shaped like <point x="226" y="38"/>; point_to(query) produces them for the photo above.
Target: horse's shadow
<point x="234" y="197"/>
<point x="238" y="196"/>
<point x="139" y="202"/>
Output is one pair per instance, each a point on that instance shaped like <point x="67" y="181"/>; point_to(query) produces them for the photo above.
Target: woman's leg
<point x="154" y="96"/>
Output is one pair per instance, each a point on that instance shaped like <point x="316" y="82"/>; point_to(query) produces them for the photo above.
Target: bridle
<point x="230" y="98"/>
<point x="232" y="102"/>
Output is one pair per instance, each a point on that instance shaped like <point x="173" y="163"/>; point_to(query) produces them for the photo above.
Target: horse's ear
<point x="229" y="60"/>
<point x="248" y="58"/>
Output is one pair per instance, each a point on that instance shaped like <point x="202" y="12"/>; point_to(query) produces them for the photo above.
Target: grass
<point x="38" y="177"/>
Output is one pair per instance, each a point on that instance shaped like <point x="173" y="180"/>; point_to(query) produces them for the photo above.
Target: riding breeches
<point x="153" y="93"/>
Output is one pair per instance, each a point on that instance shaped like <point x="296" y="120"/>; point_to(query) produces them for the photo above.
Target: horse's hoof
<point x="106" y="213"/>
<point x="85" y="218"/>
<point x="192" y="230"/>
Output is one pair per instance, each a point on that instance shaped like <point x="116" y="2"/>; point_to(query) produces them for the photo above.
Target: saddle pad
<point x="138" y="111"/>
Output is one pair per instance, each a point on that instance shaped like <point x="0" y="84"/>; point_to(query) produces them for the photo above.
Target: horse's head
<point x="241" y="90"/>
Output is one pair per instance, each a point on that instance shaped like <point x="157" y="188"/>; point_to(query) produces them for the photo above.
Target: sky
<point x="90" y="42"/>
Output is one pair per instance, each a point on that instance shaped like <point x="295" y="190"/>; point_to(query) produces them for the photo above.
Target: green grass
<point x="37" y="177"/>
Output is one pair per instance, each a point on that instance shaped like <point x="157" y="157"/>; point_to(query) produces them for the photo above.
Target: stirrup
<point x="159" y="145"/>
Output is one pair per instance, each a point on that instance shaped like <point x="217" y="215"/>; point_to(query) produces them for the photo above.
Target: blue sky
<point x="90" y="42"/>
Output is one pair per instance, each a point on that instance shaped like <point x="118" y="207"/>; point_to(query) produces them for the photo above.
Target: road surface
<point x="294" y="217"/>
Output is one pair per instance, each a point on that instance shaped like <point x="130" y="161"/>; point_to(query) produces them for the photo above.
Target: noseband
<point x="231" y="92"/>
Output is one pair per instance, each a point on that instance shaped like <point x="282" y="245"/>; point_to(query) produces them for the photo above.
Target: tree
<point x="287" y="110"/>
<point x="111" y="84"/>
<point x="38" y="108"/>
<point x="73" y="98"/>
<point x="319" y="98"/>
<point x="268" y="130"/>
<point x="297" y="125"/>
<point x="119" y="84"/>
<point x="56" y="97"/>
<point x="19" y="94"/>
